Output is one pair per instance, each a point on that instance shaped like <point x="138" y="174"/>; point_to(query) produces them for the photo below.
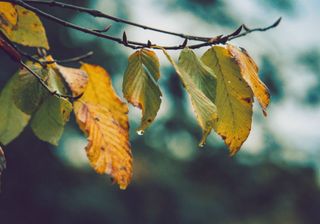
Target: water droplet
<point x="140" y="132"/>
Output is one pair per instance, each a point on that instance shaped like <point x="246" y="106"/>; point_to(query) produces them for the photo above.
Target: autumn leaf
<point x="140" y="86"/>
<point x="249" y="71"/>
<point x="8" y="17"/>
<point x="205" y="109"/>
<point x="12" y="119"/>
<point x="103" y="118"/>
<point x="28" y="29"/>
<point x="234" y="97"/>
<point x="77" y="79"/>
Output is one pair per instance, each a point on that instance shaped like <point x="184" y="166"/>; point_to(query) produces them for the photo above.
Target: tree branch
<point x="97" y="13"/>
<point x="221" y="39"/>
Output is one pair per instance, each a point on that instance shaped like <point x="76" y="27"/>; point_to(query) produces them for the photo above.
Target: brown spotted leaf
<point x="8" y="17"/>
<point x="28" y="29"/>
<point x="249" y="71"/>
<point x="103" y="118"/>
<point x="233" y="97"/>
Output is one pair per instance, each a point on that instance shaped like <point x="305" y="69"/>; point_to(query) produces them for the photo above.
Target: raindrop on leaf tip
<point x="140" y="132"/>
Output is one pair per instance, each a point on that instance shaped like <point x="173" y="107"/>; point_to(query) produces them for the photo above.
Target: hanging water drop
<point x="140" y="132"/>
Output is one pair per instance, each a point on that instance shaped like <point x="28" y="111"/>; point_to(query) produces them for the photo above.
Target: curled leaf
<point x="140" y="86"/>
<point x="249" y="71"/>
<point x="205" y="109"/>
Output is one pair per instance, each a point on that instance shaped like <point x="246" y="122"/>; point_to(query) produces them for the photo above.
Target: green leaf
<point x="200" y="74"/>
<point x="49" y="120"/>
<point x="28" y="92"/>
<point x="140" y="86"/>
<point x="55" y="82"/>
<point x="28" y="30"/>
<point x="234" y="97"/>
<point x="205" y="109"/>
<point x="12" y="120"/>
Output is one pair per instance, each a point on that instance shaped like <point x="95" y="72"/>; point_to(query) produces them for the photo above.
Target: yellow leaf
<point x="233" y="97"/>
<point x="249" y="71"/>
<point x="104" y="119"/>
<point x="8" y="16"/>
<point x="28" y="30"/>
<point x="140" y="86"/>
<point x="77" y="79"/>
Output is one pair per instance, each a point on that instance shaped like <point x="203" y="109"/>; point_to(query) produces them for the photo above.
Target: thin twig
<point x="97" y="13"/>
<point x="12" y="52"/>
<point x="275" y="24"/>
<point x="44" y="84"/>
<point x="131" y="44"/>
<point x="70" y="60"/>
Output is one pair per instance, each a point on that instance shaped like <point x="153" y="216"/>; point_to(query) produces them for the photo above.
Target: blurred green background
<point x="275" y="178"/>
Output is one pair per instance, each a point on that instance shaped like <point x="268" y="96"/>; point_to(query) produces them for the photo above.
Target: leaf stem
<point x="69" y="60"/>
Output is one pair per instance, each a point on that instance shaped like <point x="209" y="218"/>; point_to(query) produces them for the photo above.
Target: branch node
<point x="106" y="29"/>
<point x="125" y="39"/>
<point x="184" y="44"/>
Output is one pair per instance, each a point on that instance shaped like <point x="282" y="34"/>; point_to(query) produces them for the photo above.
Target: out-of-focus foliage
<point x="181" y="184"/>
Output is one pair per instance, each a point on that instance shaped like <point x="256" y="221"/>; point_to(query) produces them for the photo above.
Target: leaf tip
<point x="204" y="137"/>
<point x="123" y="186"/>
<point x="233" y="152"/>
<point x="276" y="23"/>
<point x="264" y="112"/>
